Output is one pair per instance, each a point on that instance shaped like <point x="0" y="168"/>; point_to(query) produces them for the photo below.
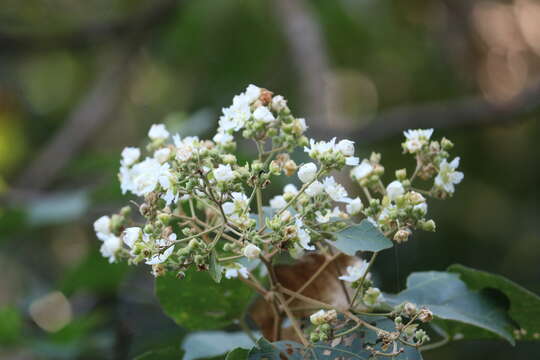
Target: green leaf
<point x="10" y="325"/>
<point x="94" y="273"/>
<point x="449" y="299"/>
<point x="197" y="302"/>
<point x="206" y="344"/>
<point x="215" y="268"/>
<point x="351" y="346"/>
<point x="167" y="353"/>
<point x="362" y="237"/>
<point x="237" y="354"/>
<point x="524" y="305"/>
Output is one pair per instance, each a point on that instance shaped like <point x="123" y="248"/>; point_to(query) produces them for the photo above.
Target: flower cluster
<point x="203" y="209"/>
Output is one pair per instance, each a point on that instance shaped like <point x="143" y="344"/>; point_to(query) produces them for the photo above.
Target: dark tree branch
<point x="94" y="34"/>
<point x="468" y="112"/>
<point x="100" y="104"/>
<point x="309" y="55"/>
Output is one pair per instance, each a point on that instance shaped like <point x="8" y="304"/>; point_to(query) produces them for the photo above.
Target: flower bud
<point x="346" y="147"/>
<point x="251" y="251"/>
<point x="164" y="218"/>
<point x="446" y="144"/>
<point x="274" y="168"/>
<point x="290" y="167"/>
<point x="307" y="172"/>
<point x="125" y="211"/>
<point x="427" y="225"/>
<point x="402" y="235"/>
<point x="148" y="229"/>
<point x="425" y="315"/>
<point x="228" y="159"/>
<point x="401" y="174"/>
<point x="409" y="308"/>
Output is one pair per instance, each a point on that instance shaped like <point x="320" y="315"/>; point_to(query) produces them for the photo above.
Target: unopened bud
<point x="402" y="235"/>
<point x="164" y="218"/>
<point x="125" y="211"/>
<point x="148" y="229"/>
<point x="428" y="225"/>
<point x="290" y="167"/>
<point x="446" y="144"/>
<point x="409" y="308"/>
<point x="228" y="159"/>
<point x="425" y="315"/>
<point x="401" y="174"/>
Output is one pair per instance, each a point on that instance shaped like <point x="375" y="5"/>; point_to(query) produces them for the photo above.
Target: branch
<point x="309" y="55"/>
<point x="468" y="112"/>
<point x="99" y="105"/>
<point x="88" y="35"/>
<point x="102" y="101"/>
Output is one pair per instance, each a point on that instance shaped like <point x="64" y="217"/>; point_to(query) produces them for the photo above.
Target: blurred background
<point x="79" y="80"/>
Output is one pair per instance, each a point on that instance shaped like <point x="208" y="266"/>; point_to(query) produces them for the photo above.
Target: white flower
<point x="252" y="93"/>
<point x="278" y="202"/>
<point x="336" y="191"/>
<point x="448" y="176"/>
<point x="290" y="189"/>
<point x="278" y="103"/>
<point x="307" y="172"/>
<point x="238" y="205"/>
<point x="158" y="132"/>
<point x="143" y="177"/>
<point x="415" y="139"/>
<point x="356" y="272"/>
<point x="131" y="235"/>
<point x="303" y="236"/>
<point x="185" y="148"/>
<point x="109" y="248"/>
<point x="102" y="226"/>
<point x="235" y="117"/>
<point x="362" y="170"/>
<point x="263" y="114"/>
<point x="320" y="148"/>
<point x="394" y="190"/>
<point x="315" y="188"/>
<point x="354" y="206"/>
<point x="130" y="155"/>
<point x="318" y="318"/>
<point x="160" y="258"/>
<point x="352" y="161"/>
<point x="346" y="147"/>
<point x="323" y="219"/>
<point x="235" y="270"/>
<point x="162" y="155"/>
<point x="223" y="173"/>
<point x="322" y="317"/>
<point x="252" y="251"/>
<point x="223" y="138"/>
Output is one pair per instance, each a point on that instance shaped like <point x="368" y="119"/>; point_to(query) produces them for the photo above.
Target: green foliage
<point x="352" y="346"/>
<point x="10" y="325"/>
<point x="95" y="274"/>
<point x="197" y="302"/>
<point x="166" y="353"/>
<point x="449" y="299"/>
<point x="524" y="305"/>
<point x="237" y="354"/>
<point x="361" y="237"/>
<point x="206" y="344"/>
